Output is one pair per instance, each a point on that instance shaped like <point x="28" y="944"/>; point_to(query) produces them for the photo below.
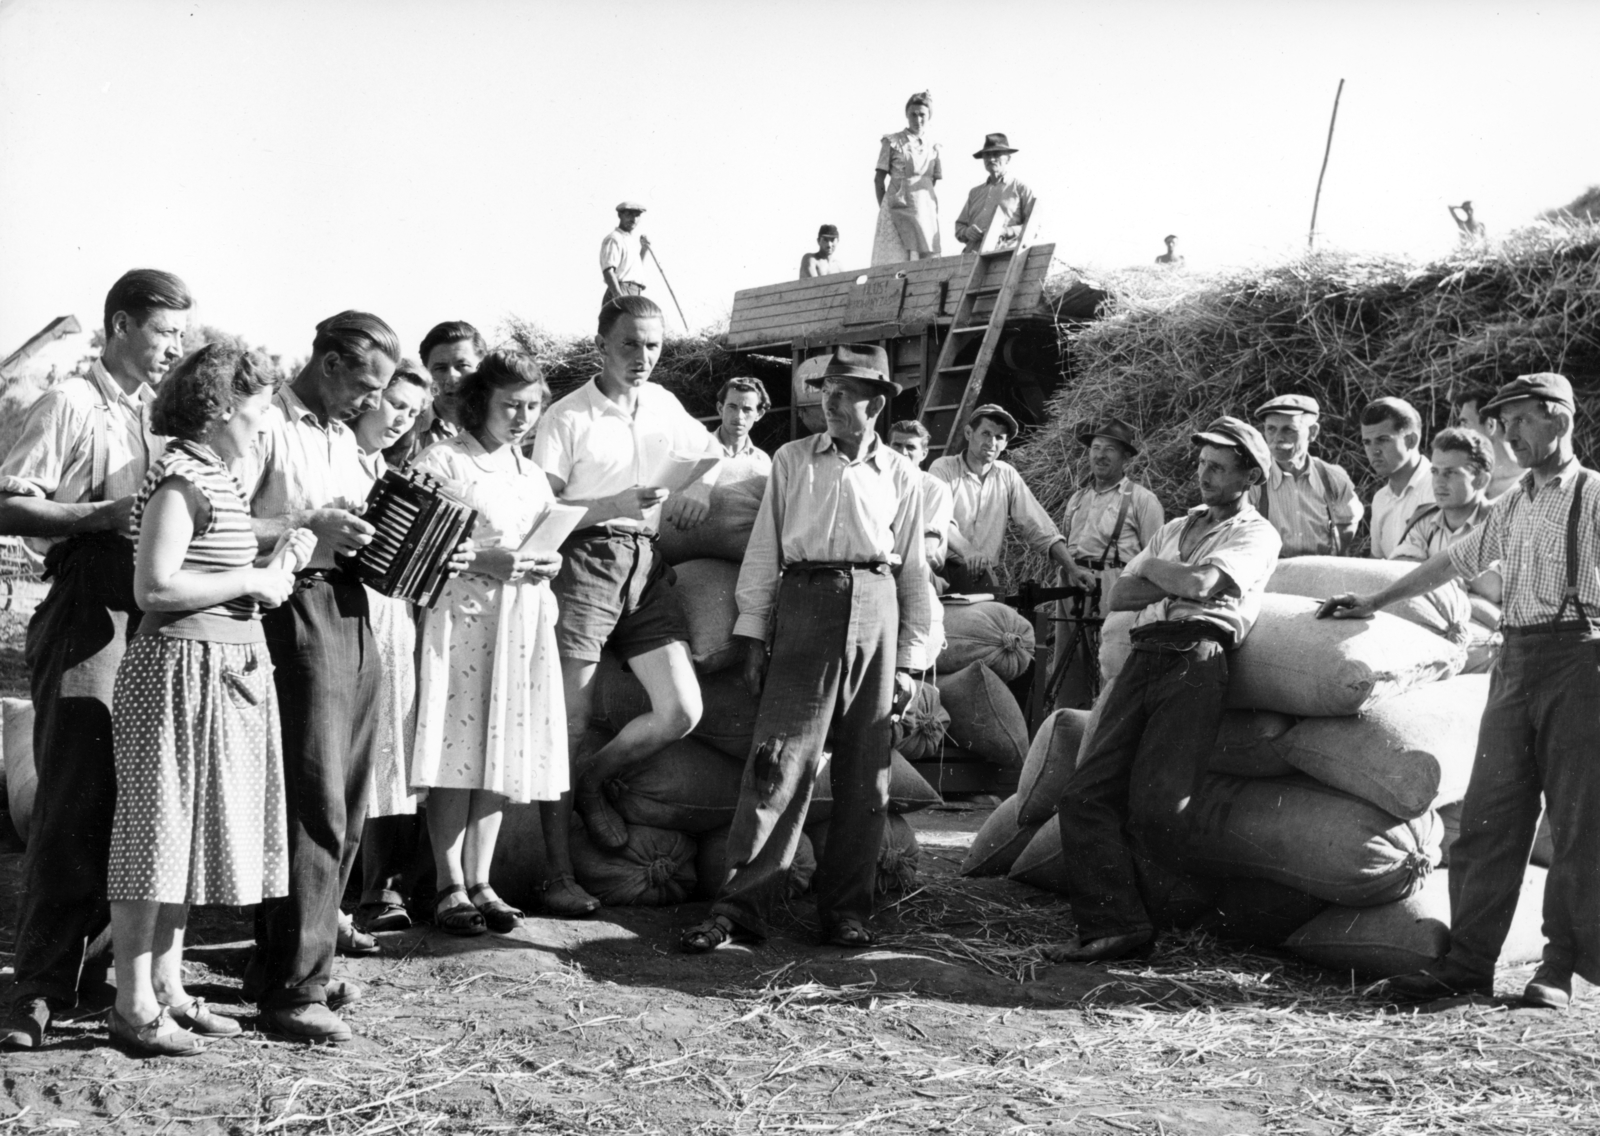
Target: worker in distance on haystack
<point x="1539" y="731"/>
<point x="1391" y="433"/>
<point x="1197" y="588"/>
<point x="1462" y="464"/>
<point x="821" y="262"/>
<point x="1464" y="406"/>
<point x="622" y="253"/>
<point x="1312" y="503"/>
<point x="741" y="403"/>
<point x="836" y="580"/>
<point x="988" y="494"/>
<point x="1001" y="200"/>
<point x="905" y="181"/>
<point x="910" y="439"/>
<point x="1171" y="258"/>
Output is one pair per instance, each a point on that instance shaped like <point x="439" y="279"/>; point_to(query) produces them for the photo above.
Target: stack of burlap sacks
<point x="679" y="804"/>
<point x="1334" y="787"/>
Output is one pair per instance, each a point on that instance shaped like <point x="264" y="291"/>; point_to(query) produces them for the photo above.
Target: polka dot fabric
<point x="200" y="804"/>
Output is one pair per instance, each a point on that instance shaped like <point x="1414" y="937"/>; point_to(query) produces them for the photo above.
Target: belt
<point x="1555" y="628"/>
<point x="334" y="575"/>
<point x="604" y="532"/>
<point x="1175" y="631"/>
<point x="838" y="567"/>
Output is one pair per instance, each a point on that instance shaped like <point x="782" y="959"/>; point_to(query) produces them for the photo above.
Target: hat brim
<point x="859" y="373"/>
<point x="1087" y="437"/>
<point x="996" y="150"/>
<point x="1499" y="401"/>
<point x="1011" y="423"/>
<point x="1211" y="438"/>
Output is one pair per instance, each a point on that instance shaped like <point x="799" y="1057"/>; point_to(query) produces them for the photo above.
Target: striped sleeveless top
<point x="225" y="542"/>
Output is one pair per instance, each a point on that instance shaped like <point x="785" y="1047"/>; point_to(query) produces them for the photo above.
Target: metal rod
<point x="1316" y="202"/>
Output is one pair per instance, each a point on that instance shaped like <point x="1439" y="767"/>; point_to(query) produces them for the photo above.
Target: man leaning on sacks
<point x="1540" y="730"/>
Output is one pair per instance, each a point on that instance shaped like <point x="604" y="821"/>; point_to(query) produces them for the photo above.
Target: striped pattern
<point x="227" y="541"/>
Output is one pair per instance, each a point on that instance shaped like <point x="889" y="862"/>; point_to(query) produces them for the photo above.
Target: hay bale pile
<point x="1170" y="353"/>
<point x="1319" y="826"/>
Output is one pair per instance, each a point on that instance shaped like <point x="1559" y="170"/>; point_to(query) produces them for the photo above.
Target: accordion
<point x="419" y="524"/>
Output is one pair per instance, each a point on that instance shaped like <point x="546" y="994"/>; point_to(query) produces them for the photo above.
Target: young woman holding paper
<point x="491" y="723"/>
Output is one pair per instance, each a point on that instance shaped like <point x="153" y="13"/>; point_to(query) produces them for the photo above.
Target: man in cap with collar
<point x="1540" y="731"/>
<point x="622" y="253"/>
<point x="1001" y="200"/>
<point x="821" y="262"/>
<point x="1111" y="517"/>
<point x="1312" y="503"/>
<point x="988" y="493"/>
<point x="834" y="610"/>
<point x="1197" y="590"/>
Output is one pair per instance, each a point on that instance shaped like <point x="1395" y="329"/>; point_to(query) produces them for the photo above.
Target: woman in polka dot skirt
<point x="491" y="719"/>
<point x="200" y="807"/>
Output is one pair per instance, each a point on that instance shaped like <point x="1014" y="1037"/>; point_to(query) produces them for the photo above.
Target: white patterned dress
<point x="908" y="218"/>
<point x="490" y="711"/>
<point x="200" y="804"/>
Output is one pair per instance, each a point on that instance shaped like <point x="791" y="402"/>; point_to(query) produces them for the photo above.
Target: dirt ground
<point x="955" y="1024"/>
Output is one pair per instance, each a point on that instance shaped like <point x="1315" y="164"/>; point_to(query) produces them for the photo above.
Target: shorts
<point x="615" y="591"/>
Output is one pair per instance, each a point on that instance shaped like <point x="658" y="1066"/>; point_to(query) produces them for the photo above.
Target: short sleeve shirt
<point x="1244" y="548"/>
<point x="305" y="463"/>
<point x="621" y="251"/>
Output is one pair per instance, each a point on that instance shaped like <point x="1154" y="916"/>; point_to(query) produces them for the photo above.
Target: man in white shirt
<point x="1391" y="433"/>
<point x="597" y="446"/>
<point x="741" y="403"/>
<point x="1465" y="405"/>
<point x="989" y="494"/>
<point x="910" y="439"/>
<point x="622" y="252"/>
<point x="1312" y="503"/>
<point x="67" y="486"/>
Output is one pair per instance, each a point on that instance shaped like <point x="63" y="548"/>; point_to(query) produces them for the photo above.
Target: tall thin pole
<point x="668" y="283"/>
<point x="1311" y="236"/>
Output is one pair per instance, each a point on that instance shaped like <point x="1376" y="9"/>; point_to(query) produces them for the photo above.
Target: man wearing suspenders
<point x="68" y="485"/>
<point x="1312" y="503"/>
<point x="1540" y="728"/>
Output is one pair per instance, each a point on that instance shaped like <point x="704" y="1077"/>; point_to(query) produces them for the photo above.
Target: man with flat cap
<point x="622" y="252"/>
<point x="834" y="609"/>
<point x="989" y="494"/>
<point x="1540" y="729"/>
<point x="1197" y="591"/>
<point x="1001" y="200"/>
<point x="1312" y="503"/>
<point x="821" y="262"/>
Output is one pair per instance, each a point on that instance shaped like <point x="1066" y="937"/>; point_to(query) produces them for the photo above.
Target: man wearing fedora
<point x="622" y="252"/>
<point x="1001" y="200"/>
<point x="834" y="609"/>
<point x="1197" y="591"/>
<point x="1540" y="731"/>
<point x="1312" y="503"/>
<point x="988" y="495"/>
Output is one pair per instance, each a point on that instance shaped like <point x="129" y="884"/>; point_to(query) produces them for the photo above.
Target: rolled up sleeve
<point x="1038" y="530"/>
<point x="38" y="461"/>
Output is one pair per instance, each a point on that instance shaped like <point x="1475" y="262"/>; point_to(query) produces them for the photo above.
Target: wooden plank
<point x="918" y="292"/>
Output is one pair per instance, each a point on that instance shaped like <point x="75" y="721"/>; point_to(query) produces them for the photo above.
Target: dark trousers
<point x="1540" y="734"/>
<point x="75" y="644"/>
<point x="326" y="673"/>
<point x="833" y="655"/>
<point x="397" y="861"/>
<point x="1147" y="745"/>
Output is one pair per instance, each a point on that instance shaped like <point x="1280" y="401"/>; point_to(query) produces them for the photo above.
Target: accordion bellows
<point x="419" y="524"/>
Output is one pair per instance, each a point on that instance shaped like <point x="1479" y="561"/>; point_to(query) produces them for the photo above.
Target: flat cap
<point x="1546" y="385"/>
<point x="1289" y="404"/>
<point x="629" y="207"/>
<point x="1114" y="428"/>
<point x="864" y="361"/>
<point x="1236" y="432"/>
<point x="994" y="410"/>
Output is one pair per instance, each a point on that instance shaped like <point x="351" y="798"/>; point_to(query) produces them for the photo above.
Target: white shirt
<point x="1091" y="518"/>
<point x="597" y="449"/>
<point x="1391" y="510"/>
<point x="985" y="502"/>
<point x="305" y="463"/>
<point x="621" y="251"/>
<point x="1244" y="548"/>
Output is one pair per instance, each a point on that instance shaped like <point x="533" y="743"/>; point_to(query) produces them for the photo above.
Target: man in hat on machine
<point x="1197" y="590"/>
<point x="821" y="262"/>
<point x="1001" y="200"/>
<point x="1539" y="731"/>
<point x="622" y="253"/>
<point x="988" y="493"/>
<point x="1312" y="503"/>
<point x="834" y="608"/>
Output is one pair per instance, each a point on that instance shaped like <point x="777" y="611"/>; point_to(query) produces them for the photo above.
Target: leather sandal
<point x="200" y="1020"/>
<point x="497" y="913"/>
<point x="454" y="914"/>
<point x="851" y="934"/>
<point x="159" y="1037"/>
<point x="565" y="898"/>
<point x="705" y="937"/>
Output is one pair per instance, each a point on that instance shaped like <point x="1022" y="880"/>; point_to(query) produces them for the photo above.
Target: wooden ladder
<point x="953" y="390"/>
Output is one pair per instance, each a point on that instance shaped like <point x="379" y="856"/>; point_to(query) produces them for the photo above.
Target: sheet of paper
<point x="551" y="530"/>
<point x="677" y="471"/>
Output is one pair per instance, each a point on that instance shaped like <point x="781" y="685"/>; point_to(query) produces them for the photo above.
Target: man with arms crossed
<point x="987" y="493"/>
<point x="1391" y="433"/>
<point x="836" y="580"/>
<point x="1197" y="588"/>
<point x="1540" y="730"/>
<point x="68" y="486"/>
<point x="1312" y="503"/>
<point x="595" y="446"/>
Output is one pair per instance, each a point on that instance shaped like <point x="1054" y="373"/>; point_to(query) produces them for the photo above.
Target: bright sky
<point x="433" y="160"/>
